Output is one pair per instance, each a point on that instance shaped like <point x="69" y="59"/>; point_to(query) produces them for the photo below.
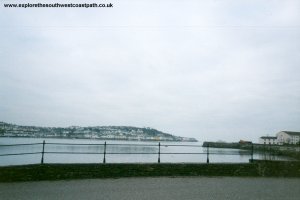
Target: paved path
<point x="156" y="188"/>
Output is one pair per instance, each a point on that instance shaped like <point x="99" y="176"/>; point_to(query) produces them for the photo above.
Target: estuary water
<point x="92" y="151"/>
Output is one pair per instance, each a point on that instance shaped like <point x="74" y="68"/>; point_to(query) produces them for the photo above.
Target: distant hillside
<point x="94" y="132"/>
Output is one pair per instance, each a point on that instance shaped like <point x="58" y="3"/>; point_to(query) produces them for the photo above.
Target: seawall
<point x="91" y="171"/>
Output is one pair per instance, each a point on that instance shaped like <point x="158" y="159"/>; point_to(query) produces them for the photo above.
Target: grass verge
<point x="90" y="171"/>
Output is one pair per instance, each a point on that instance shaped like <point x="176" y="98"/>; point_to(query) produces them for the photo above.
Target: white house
<point x="288" y="137"/>
<point x="268" y="140"/>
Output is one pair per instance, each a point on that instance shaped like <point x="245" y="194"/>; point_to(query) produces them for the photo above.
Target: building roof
<point x="268" y="137"/>
<point x="291" y="132"/>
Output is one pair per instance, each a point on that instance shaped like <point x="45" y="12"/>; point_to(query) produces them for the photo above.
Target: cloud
<point x="210" y="69"/>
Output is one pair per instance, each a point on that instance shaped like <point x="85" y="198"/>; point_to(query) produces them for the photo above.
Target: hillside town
<point x="95" y="132"/>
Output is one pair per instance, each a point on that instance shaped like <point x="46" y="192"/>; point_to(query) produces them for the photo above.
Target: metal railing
<point x="104" y="145"/>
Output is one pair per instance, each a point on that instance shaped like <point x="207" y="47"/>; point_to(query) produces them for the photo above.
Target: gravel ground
<point x="156" y="188"/>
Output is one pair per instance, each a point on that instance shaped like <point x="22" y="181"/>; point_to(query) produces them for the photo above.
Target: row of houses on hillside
<point x="283" y="137"/>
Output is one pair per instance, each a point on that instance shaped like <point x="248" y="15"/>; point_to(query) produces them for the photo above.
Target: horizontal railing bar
<point x="145" y="153"/>
<point x="54" y="152"/>
<point x="173" y="153"/>
<point x="51" y="143"/>
<point x="146" y="145"/>
<point x="138" y="153"/>
<point x="230" y="153"/>
<point x="180" y="145"/>
<point x="152" y="145"/>
<point x="181" y="153"/>
<point x="204" y="153"/>
<point x="130" y="153"/>
<point x="51" y="152"/>
<point x="59" y="152"/>
<point x="16" y="154"/>
<point x="7" y="145"/>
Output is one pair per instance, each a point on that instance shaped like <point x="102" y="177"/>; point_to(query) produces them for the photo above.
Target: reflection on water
<point x="116" y="152"/>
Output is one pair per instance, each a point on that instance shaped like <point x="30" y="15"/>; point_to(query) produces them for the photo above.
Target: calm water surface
<point x="96" y="149"/>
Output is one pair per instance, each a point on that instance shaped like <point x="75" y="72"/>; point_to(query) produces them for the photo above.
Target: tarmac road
<point x="183" y="188"/>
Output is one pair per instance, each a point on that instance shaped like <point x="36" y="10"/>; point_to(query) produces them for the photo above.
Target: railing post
<point x="265" y="157"/>
<point x="104" y="153"/>
<point x="207" y="154"/>
<point x="43" y="152"/>
<point x="159" y="152"/>
<point x="252" y="152"/>
<point x="269" y="157"/>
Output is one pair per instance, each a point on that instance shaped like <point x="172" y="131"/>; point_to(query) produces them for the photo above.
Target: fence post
<point x="207" y="154"/>
<point x="265" y="157"/>
<point x="104" y="153"/>
<point x="159" y="152"/>
<point x="270" y="151"/>
<point x="43" y="152"/>
<point x="252" y="151"/>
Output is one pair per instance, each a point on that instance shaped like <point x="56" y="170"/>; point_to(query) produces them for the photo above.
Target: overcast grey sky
<point x="209" y="69"/>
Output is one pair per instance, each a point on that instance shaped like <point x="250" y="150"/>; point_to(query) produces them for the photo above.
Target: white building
<point x="268" y="140"/>
<point x="288" y="137"/>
